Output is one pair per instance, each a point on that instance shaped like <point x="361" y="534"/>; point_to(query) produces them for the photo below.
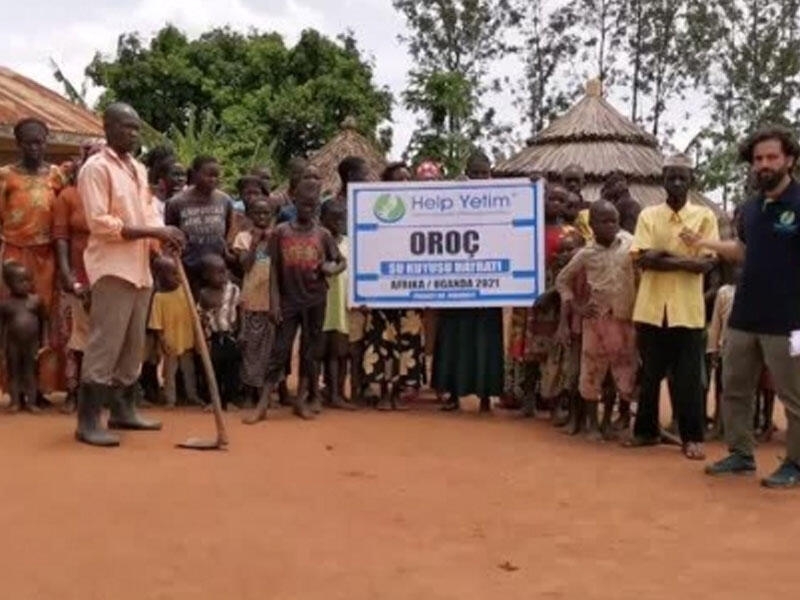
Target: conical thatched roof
<point x="594" y="135"/>
<point x="348" y="142"/>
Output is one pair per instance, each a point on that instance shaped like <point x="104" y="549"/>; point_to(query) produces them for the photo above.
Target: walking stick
<point x="222" y="435"/>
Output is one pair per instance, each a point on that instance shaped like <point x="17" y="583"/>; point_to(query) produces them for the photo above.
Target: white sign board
<point x="446" y="244"/>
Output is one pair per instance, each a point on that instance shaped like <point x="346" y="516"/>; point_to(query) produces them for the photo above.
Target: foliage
<point x="261" y="99"/>
<point x="453" y="43"/>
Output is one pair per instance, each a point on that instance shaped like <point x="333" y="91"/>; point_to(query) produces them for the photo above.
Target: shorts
<point x="609" y="344"/>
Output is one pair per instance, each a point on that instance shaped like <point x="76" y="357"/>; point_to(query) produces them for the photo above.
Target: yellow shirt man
<point x="672" y="298"/>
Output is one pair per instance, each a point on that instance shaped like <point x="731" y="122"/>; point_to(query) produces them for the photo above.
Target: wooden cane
<point x="208" y="367"/>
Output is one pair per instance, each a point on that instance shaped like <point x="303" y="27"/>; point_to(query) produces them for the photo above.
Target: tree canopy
<point x="263" y="100"/>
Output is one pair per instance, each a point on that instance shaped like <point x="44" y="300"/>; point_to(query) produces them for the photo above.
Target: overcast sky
<point x="71" y="33"/>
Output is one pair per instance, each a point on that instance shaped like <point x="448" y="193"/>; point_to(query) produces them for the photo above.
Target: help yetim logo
<point x="389" y="209"/>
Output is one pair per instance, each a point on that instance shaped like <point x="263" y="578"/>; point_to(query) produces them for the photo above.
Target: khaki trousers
<point x="117" y="320"/>
<point x="743" y="358"/>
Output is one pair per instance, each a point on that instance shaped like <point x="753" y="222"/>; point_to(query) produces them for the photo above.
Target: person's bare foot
<point x="595" y="435"/>
<point x="14" y="407"/>
<point x="341" y="404"/>
<point x="694" y="451"/>
<point x="255" y="417"/>
<point x="33" y="409"/>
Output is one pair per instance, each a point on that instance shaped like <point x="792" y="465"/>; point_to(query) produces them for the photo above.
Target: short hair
<point x="201" y="161"/>
<point x="616" y="177"/>
<point x="599" y="205"/>
<point x="478" y="158"/>
<point x="212" y="259"/>
<point x="391" y="169"/>
<point x="159" y="162"/>
<point x="308" y="186"/>
<point x="574" y="168"/>
<point x="331" y="205"/>
<point x="769" y="132"/>
<point x="27" y="122"/>
<point x="248" y="180"/>
<point x="350" y="166"/>
<point x="11" y="267"/>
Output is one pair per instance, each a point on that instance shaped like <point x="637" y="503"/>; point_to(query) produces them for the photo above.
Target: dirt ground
<point x="420" y="505"/>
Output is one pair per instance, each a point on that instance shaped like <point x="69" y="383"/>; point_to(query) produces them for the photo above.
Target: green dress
<point x="468" y="357"/>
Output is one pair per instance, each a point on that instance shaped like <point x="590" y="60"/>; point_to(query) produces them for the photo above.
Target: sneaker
<point x="787" y="476"/>
<point x="733" y="464"/>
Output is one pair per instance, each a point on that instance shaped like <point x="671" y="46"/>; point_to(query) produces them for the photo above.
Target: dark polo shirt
<point x="767" y="299"/>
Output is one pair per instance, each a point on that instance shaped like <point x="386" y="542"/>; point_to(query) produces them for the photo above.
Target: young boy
<point x="609" y="337"/>
<point x="218" y="305"/>
<point x="171" y="320"/>
<point x="304" y="254"/>
<point x="23" y="320"/>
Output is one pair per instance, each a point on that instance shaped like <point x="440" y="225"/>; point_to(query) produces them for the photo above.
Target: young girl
<point x="533" y="329"/>
<point x="218" y="306"/>
<point x="204" y="214"/>
<point x="336" y="327"/>
<point x="23" y="320"/>
<point x="171" y="320"/>
<point x="258" y="331"/>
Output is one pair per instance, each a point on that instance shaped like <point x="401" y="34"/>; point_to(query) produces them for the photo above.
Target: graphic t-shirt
<point x="299" y="255"/>
<point x="205" y="224"/>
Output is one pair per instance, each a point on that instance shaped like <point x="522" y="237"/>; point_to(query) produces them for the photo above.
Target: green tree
<point x="453" y="43"/>
<point x="550" y="43"/>
<point x="259" y="95"/>
<point x="754" y="79"/>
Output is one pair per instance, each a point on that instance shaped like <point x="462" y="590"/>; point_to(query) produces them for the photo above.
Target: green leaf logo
<point x="389" y="209"/>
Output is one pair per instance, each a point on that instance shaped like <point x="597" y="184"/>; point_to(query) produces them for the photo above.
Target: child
<point x="258" y="331"/>
<point x="336" y="328"/>
<point x="609" y="337"/>
<point x="561" y="366"/>
<point x="23" y="320"/>
<point x="304" y="255"/>
<point x="218" y="305"/>
<point x="171" y="320"/>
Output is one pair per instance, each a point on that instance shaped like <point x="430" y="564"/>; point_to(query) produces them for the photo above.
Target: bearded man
<point x="764" y="326"/>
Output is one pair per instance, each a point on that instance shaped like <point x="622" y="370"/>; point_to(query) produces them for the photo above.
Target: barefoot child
<point x="304" y="254"/>
<point x="171" y="320"/>
<point x="258" y="331"/>
<point x="336" y="328"/>
<point x="23" y="320"/>
<point x="609" y="342"/>
<point x="218" y="305"/>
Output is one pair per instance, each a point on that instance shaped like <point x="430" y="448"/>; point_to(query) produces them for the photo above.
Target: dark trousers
<point x="309" y="321"/>
<point x="677" y="351"/>
<point x="225" y="358"/>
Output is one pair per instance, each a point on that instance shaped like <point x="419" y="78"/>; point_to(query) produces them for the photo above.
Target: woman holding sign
<point x="468" y="357"/>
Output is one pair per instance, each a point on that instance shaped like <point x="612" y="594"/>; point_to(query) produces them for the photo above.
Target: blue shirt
<point x="767" y="298"/>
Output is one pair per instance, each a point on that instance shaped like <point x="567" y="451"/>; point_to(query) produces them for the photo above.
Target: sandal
<point x="693" y="451"/>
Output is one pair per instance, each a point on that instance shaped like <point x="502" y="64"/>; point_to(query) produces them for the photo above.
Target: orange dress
<point x="26" y="223"/>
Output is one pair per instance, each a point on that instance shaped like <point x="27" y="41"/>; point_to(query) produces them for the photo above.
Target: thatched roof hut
<point x="69" y="124"/>
<point x="594" y="135"/>
<point x="348" y="142"/>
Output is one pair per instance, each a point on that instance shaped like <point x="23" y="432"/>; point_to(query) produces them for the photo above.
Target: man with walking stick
<point x="124" y="229"/>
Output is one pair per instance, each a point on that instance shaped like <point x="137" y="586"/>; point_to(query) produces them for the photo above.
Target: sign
<point x="446" y="244"/>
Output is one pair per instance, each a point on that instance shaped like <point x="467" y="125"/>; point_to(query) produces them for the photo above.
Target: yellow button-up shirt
<point x="674" y="298"/>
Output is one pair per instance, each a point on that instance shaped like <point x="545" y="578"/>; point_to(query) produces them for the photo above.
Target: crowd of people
<point x="107" y="261"/>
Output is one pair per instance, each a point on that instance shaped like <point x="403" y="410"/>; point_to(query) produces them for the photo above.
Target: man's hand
<point x="690" y="238"/>
<point x="172" y="237"/>
<point x="330" y="268"/>
<point x="590" y="311"/>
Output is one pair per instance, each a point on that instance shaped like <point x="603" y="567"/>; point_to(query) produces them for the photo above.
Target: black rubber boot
<point x="91" y="397"/>
<point x="123" y="411"/>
